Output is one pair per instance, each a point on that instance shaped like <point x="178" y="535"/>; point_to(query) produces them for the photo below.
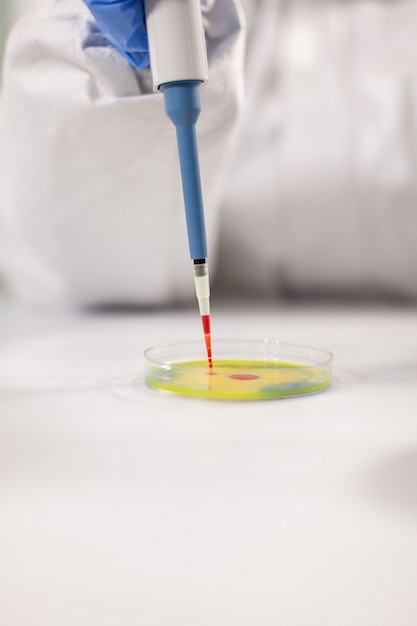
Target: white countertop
<point x="123" y="506"/>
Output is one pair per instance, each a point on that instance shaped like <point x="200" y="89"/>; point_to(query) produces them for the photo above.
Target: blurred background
<point x="331" y="97"/>
<point x="10" y="11"/>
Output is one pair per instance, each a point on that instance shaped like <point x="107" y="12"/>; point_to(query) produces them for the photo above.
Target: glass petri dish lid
<point x="242" y="369"/>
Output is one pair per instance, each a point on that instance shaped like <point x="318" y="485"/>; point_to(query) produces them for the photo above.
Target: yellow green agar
<point x="238" y="379"/>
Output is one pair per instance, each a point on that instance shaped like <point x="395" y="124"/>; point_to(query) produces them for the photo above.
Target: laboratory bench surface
<point x="120" y="505"/>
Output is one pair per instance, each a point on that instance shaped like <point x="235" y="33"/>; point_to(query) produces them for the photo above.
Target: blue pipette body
<point x="183" y="107"/>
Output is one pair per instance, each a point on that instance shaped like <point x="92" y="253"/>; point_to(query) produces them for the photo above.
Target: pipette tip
<point x="207" y="337"/>
<point x="202" y="288"/>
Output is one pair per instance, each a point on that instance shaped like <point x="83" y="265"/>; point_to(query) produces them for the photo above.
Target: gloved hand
<point x="122" y="22"/>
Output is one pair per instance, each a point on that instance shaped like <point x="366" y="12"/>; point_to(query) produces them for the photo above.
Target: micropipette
<point x="178" y="59"/>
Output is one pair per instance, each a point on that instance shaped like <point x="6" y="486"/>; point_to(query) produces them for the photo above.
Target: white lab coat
<point x="319" y="194"/>
<point x="91" y="200"/>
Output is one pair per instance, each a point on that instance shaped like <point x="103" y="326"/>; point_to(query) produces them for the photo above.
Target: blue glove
<point x="122" y="22"/>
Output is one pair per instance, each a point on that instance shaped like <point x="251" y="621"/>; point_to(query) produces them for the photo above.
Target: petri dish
<point x="242" y="370"/>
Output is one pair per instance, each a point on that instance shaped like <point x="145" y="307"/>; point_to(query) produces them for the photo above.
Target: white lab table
<point x="124" y="506"/>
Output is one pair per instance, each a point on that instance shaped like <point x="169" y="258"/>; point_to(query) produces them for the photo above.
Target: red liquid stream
<point x="207" y="337"/>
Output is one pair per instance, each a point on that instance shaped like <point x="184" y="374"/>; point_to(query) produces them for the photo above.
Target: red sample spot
<point x="243" y="377"/>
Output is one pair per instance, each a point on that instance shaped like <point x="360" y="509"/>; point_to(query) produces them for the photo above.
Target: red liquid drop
<point x="207" y="337"/>
<point x="243" y="377"/>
